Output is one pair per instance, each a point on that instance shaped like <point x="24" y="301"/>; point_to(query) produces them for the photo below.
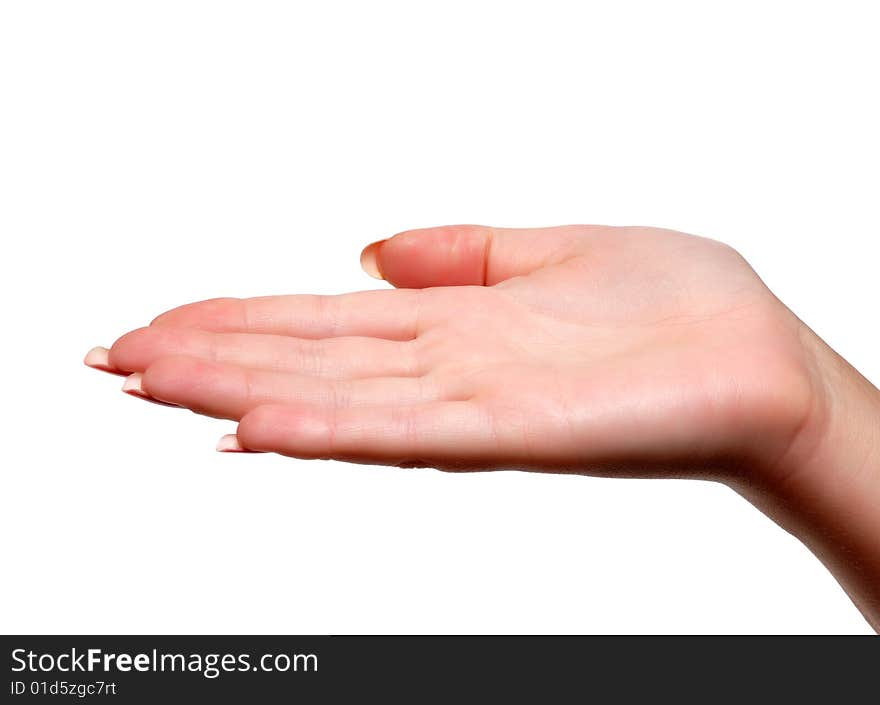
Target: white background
<point x="158" y="153"/>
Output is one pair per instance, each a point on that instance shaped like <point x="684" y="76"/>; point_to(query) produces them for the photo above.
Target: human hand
<point x="588" y="349"/>
<point x="617" y="351"/>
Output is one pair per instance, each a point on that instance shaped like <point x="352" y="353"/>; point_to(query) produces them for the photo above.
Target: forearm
<point x="827" y="487"/>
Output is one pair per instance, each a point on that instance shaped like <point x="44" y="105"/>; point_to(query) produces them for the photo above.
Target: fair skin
<point x="583" y="349"/>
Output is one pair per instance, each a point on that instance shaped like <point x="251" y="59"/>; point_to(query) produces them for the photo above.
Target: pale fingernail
<point x="229" y="444"/>
<point x="99" y="358"/>
<point x="134" y="385"/>
<point x="370" y="260"/>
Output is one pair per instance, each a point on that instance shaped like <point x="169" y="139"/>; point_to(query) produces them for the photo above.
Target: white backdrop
<point x="157" y="153"/>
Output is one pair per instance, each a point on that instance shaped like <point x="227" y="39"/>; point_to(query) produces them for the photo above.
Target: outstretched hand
<point x="578" y="348"/>
<point x="619" y="351"/>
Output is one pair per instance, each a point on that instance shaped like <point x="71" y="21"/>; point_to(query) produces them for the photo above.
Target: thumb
<point x="457" y="255"/>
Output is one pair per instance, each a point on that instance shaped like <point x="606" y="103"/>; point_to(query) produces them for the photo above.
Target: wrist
<point x="837" y="447"/>
<point x="825" y="488"/>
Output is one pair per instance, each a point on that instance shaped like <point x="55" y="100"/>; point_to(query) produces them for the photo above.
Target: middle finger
<point x="336" y="358"/>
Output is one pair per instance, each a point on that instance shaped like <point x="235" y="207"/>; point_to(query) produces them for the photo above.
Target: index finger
<point x="391" y="314"/>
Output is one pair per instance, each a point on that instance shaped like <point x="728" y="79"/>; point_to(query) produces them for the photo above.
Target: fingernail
<point x="99" y="359"/>
<point x="229" y="444"/>
<point x="370" y="260"/>
<point x="134" y="385"/>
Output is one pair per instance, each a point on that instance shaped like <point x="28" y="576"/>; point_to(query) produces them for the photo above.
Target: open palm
<point x="580" y="348"/>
